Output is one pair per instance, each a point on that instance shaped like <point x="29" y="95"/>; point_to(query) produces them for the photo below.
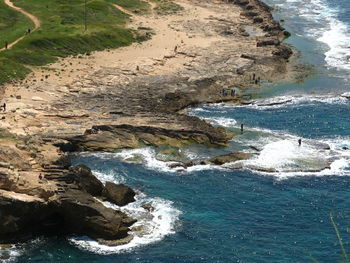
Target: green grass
<point x="62" y="33"/>
<point x="13" y="24"/>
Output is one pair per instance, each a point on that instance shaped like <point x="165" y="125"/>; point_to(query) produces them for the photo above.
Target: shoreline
<point x="132" y="97"/>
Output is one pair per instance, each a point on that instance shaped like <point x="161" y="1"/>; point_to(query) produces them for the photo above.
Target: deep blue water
<point x="242" y="215"/>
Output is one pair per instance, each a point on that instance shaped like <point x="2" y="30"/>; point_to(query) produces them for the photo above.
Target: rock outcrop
<point x="59" y="200"/>
<point x="229" y="158"/>
<point x="119" y="194"/>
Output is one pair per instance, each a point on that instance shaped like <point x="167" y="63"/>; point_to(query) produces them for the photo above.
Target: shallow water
<point x="211" y="214"/>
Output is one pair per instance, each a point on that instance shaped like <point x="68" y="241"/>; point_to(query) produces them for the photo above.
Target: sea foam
<point x="322" y="24"/>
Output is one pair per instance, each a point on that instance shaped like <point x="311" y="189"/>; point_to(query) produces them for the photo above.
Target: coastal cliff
<point x="221" y="48"/>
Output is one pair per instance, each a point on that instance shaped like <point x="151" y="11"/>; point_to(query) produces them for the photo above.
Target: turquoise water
<point x="208" y="214"/>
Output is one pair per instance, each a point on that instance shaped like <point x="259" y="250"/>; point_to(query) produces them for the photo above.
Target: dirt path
<point x="35" y="20"/>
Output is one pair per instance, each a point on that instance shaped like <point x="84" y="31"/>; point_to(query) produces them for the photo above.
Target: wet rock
<point x="119" y="194"/>
<point x="117" y="242"/>
<point x="148" y="207"/>
<point x="229" y="158"/>
<point x="286" y="34"/>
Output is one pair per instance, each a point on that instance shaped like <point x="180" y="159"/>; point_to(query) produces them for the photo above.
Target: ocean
<point x="251" y="214"/>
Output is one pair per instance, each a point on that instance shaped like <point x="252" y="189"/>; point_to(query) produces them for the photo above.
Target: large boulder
<point x="86" y="180"/>
<point x="84" y="215"/>
<point x="119" y="194"/>
<point x="229" y="158"/>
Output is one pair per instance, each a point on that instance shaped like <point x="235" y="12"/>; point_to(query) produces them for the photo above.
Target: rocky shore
<point x="220" y="49"/>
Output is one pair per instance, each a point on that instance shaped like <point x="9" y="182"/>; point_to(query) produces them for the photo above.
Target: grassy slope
<point x="62" y="33"/>
<point x="13" y="24"/>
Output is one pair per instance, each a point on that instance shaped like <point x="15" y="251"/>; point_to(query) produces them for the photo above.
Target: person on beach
<point x="3" y="107"/>
<point x="175" y="49"/>
<point x="242" y="128"/>
<point x="299" y="142"/>
<point x="6" y="44"/>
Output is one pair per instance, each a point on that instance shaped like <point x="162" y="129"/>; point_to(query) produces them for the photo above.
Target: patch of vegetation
<point x="13" y="24"/>
<point x="166" y="7"/>
<point x="5" y="134"/>
<point x="66" y="30"/>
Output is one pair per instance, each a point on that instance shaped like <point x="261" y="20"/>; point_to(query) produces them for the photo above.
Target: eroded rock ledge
<point x="125" y="107"/>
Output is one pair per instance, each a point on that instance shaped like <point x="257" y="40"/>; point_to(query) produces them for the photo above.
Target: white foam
<point x="11" y="253"/>
<point x="155" y="224"/>
<point x="145" y="155"/>
<point x="338" y="40"/>
<point x="283" y="101"/>
<point x="222" y="121"/>
<point x="322" y="24"/>
<point x="286" y="157"/>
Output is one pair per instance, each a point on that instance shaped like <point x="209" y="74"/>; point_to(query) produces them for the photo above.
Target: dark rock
<point x="148" y="207"/>
<point x="286" y="34"/>
<point x="345" y="148"/>
<point x="283" y="51"/>
<point x="249" y="14"/>
<point x="231" y="157"/>
<point x="84" y="215"/>
<point x="258" y="20"/>
<point x="255" y="148"/>
<point x="241" y="2"/>
<point x="64" y="161"/>
<point x="248" y="57"/>
<point x="20" y="217"/>
<point x="87" y="181"/>
<point x="269" y="42"/>
<point x="119" y="194"/>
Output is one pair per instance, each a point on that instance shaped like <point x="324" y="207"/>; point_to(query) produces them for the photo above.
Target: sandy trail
<point x="35" y="20"/>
